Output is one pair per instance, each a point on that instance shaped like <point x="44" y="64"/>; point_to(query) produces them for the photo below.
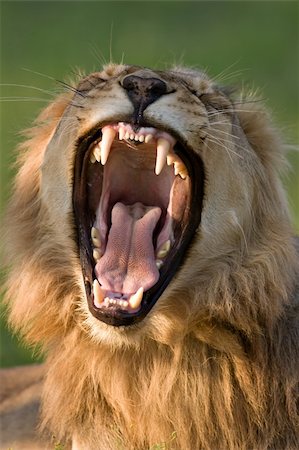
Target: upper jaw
<point x="113" y="297"/>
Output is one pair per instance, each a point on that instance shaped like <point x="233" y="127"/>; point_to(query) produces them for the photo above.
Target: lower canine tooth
<point x="135" y="300"/>
<point x="98" y="294"/>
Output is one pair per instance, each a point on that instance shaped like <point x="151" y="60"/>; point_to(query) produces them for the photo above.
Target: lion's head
<point x="141" y="188"/>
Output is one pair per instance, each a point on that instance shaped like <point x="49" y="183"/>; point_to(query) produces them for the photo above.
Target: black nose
<point x="143" y="91"/>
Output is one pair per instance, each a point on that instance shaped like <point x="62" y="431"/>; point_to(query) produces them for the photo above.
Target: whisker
<point x="66" y="85"/>
<point x="28" y="87"/>
<point x="23" y="99"/>
<point x="218" y="142"/>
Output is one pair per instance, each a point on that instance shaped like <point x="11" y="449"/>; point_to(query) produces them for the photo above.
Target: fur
<point x="215" y="364"/>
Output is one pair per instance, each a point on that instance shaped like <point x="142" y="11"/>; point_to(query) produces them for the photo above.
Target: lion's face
<point x="150" y="168"/>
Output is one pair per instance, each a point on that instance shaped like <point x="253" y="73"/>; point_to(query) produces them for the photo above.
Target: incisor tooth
<point x="135" y="299"/>
<point x="97" y="254"/>
<point x="107" y="139"/>
<point x="98" y="294"/>
<point x="163" y="147"/>
<point x="132" y="136"/>
<point x="164" y="249"/>
<point x="136" y="138"/>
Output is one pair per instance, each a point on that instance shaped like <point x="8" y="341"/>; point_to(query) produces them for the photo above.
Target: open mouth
<point x="137" y="202"/>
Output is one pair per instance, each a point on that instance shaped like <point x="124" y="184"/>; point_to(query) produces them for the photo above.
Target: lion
<point x="151" y="257"/>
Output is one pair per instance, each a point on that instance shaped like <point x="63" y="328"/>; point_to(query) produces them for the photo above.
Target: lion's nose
<point x="143" y="90"/>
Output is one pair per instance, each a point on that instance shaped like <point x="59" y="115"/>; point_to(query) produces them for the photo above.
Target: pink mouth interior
<point x="135" y="213"/>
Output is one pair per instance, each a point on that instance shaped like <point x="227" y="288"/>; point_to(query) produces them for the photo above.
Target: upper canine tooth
<point x="164" y="249"/>
<point x="135" y="299"/>
<point x="92" y="158"/>
<point x="98" y="294"/>
<point x="107" y="139"/>
<point x="163" y="147"/>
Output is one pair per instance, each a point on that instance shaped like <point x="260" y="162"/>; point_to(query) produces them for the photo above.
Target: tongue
<point x="129" y="259"/>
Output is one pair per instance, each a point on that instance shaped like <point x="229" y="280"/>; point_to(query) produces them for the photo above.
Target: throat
<point x="129" y="258"/>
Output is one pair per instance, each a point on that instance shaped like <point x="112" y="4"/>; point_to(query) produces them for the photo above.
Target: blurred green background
<point x="255" y="43"/>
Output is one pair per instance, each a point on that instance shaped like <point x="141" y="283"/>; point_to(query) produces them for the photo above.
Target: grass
<point x="252" y="41"/>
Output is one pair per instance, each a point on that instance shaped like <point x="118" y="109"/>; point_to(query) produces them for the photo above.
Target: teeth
<point x="159" y="263"/>
<point x="97" y="152"/>
<point x="121" y="133"/>
<point x="127" y="135"/>
<point x="180" y="169"/>
<point x="141" y="138"/>
<point x="148" y="138"/>
<point x="136" y="138"/>
<point x="135" y="299"/>
<point x="95" y="237"/>
<point x="164" y="249"/>
<point x="170" y="159"/>
<point x="179" y="166"/>
<point x="97" y="254"/>
<point x="132" y="136"/>
<point x="98" y="294"/>
<point x="92" y="158"/>
<point x="163" y="147"/>
<point x="107" y="139"/>
<point x="124" y="303"/>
